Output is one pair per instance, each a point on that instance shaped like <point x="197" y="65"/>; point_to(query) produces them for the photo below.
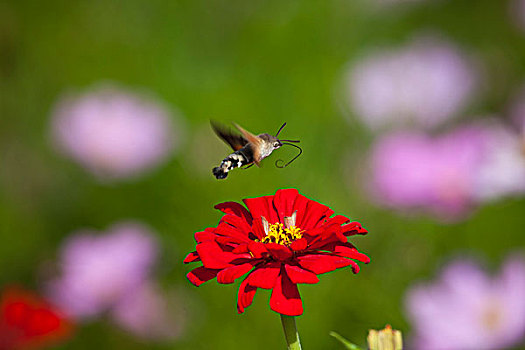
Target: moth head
<point x="271" y="140"/>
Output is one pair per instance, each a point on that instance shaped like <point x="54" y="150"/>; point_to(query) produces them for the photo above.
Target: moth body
<point x="237" y="159"/>
<point x="248" y="149"/>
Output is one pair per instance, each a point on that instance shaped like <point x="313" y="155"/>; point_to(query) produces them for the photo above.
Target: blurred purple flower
<point x="99" y="269"/>
<point x="144" y="313"/>
<point x="502" y="172"/>
<point x="517" y="13"/>
<point x="110" y="273"/>
<point x="517" y="108"/>
<point x="426" y="82"/>
<point x="395" y="2"/>
<point x="411" y="170"/>
<point x="468" y="310"/>
<point x="113" y="133"/>
<point x="446" y="175"/>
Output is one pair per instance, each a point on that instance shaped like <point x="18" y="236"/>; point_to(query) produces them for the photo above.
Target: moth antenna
<point x="282" y="126"/>
<point x="278" y="161"/>
<point x="296" y="141"/>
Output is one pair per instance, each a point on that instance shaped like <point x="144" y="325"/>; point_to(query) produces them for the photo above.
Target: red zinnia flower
<point x="28" y="322"/>
<point x="281" y="241"/>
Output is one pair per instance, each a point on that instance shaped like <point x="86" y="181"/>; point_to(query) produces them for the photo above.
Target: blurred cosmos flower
<point x="424" y="83"/>
<point x="110" y="272"/>
<point x="468" y="310"/>
<point x="114" y="134"/>
<point x="446" y="175"/>
<point x="281" y="240"/>
<point x="143" y="312"/>
<point x="517" y="13"/>
<point x="502" y="171"/>
<point x="395" y="2"/>
<point x="517" y="109"/>
<point x="28" y="321"/>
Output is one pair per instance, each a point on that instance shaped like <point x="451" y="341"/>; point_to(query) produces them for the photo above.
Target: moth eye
<point x="276" y="144"/>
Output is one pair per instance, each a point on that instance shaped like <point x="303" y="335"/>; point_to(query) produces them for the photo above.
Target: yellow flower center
<point x="277" y="233"/>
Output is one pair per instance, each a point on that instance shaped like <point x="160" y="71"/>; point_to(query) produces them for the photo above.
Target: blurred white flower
<point x="114" y="134"/>
<point x="425" y="83"/>
<point x="502" y="172"/>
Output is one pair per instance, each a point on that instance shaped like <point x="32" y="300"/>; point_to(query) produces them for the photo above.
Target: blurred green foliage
<point x="258" y="63"/>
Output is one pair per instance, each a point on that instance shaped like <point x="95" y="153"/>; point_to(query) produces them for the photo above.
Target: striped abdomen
<point x="237" y="159"/>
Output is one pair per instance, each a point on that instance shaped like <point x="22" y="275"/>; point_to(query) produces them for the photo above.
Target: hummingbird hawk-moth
<point x="249" y="149"/>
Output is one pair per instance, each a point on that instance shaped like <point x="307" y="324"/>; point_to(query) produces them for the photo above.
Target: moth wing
<point x="235" y="140"/>
<point x="256" y="142"/>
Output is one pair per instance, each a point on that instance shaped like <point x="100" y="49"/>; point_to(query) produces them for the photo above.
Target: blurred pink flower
<point x="446" y="175"/>
<point x="517" y="108"/>
<point x="395" y="2"/>
<point x="502" y="172"/>
<point x="425" y="83"/>
<point x="113" y="133"/>
<point x="468" y="310"/>
<point x="517" y="13"/>
<point x="143" y="312"/>
<point x="110" y="273"/>
<point x="411" y="170"/>
<point x="99" y="269"/>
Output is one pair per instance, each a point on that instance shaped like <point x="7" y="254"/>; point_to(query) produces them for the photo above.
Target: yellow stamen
<point x="277" y="233"/>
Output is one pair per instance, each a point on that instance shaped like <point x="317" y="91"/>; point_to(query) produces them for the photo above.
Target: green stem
<point x="290" y="332"/>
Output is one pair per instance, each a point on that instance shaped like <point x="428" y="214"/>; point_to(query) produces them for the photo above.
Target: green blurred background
<point x="258" y="63"/>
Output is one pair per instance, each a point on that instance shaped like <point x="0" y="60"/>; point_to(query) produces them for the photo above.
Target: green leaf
<point x="345" y="342"/>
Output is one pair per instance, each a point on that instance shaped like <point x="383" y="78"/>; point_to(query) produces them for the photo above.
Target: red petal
<point x="235" y="209"/>
<point x="228" y="230"/>
<point x="257" y="249"/>
<point x="264" y="277"/>
<point x="257" y="206"/>
<point x="238" y="223"/>
<point x="299" y="275"/>
<point x="300" y="204"/>
<point x="337" y="220"/>
<point x="245" y="296"/>
<point x="191" y="257"/>
<point x="321" y="263"/>
<point x="258" y="229"/>
<point x="343" y="262"/>
<point x="230" y="274"/>
<point x="28" y="321"/>
<point x="204" y="236"/>
<point x="201" y="274"/>
<point x="351" y="252"/>
<point x="241" y="248"/>
<point x="285" y="297"/>
<point x="354" y="228"/>
<point x="324" y="241"/>
<point x="355" y="267"/>
<point x="279" y="251"/>
<point x="262" y="206"/>
<point x="231" y="241"/>
<point x="315" y="212"/>
<point x="300" y="244"/>
<point x="41" y="322"/>
<point x="283" y="202"/>
<point x="214" y="257"/>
